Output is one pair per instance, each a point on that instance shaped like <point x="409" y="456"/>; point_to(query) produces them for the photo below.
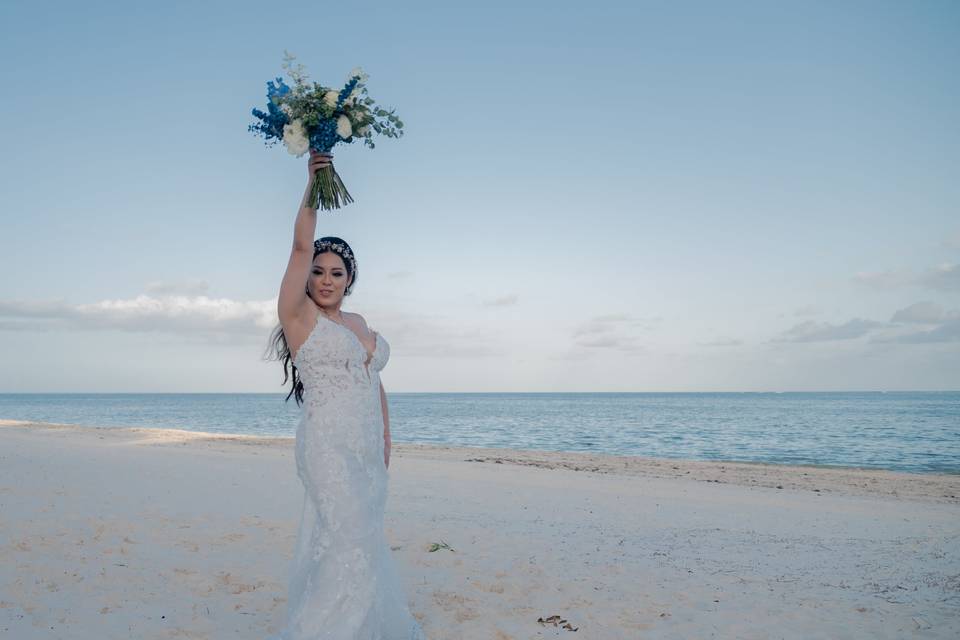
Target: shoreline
<point x="819" y="479"/>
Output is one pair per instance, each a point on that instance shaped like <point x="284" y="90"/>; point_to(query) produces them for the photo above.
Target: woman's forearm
<point x="305" y="203"/>
<point x="306" y="224"/>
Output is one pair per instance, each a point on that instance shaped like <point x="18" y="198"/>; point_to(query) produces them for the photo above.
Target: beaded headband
<point x="342" y="249"/>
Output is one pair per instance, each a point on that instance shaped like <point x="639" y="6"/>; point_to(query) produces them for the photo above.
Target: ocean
<point x="901" y="431"/>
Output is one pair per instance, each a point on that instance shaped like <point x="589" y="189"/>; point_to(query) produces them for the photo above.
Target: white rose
<point x="330" y="98"/>
<point x="295" y="138"/>
<point x="344" y="130"/>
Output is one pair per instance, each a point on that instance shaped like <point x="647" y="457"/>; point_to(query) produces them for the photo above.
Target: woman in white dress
<point x="343" y="584"/>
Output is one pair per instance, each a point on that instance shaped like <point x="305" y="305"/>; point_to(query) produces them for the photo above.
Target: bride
<point x="343" y="584"/>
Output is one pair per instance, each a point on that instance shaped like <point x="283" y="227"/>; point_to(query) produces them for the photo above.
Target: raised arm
<point x="293" y="287"/>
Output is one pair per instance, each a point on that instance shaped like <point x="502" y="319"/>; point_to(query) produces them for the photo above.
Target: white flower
<point x="364" y="130"/>
<point x="330" y="98"/>
<point x="295" y="138"/>
<point x="357" y="71"/>
<point x="286" y="109"/>
<point x="357" y="114"/>
<point x="344" y="130"/>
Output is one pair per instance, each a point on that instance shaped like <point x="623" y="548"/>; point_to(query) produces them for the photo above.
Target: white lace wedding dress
<point x="343" y="583"/>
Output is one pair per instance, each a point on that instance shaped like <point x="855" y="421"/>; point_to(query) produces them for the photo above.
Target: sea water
<point x="905" y="431"/>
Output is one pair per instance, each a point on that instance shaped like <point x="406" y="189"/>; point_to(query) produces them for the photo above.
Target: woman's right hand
<point x="318" y="161"/>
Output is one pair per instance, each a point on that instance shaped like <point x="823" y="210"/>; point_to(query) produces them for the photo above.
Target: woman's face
<point x="328" y="279"/>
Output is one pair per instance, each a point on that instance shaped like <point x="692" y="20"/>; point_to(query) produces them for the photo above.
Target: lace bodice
<point x="333" y="353"/>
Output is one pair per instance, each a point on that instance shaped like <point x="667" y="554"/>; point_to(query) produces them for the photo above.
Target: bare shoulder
<point x="359" y="320"/>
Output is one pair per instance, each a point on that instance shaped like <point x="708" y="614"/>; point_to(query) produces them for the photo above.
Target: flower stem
<point x="328" y="190"/>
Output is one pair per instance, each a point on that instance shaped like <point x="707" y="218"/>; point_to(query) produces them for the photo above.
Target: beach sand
<point x="142" y="533"/>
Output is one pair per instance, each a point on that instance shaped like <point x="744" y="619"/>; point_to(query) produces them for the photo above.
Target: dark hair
<point x="277" y="347"/>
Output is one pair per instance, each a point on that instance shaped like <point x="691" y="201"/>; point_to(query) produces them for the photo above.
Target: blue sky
<point x="652" y="196"/>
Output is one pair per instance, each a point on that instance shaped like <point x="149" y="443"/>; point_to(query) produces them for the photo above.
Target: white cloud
<point x="616" y="322"/>
<point x="947" y="327"/>
<point x="613" y="331"/>
<point x="883" y="279"/>
<point x="722" y="342"/>
<point x="921" y="312"/>
<point x="812" y="331"/>
<point x="187" y="286"/>
<point x="944" y="277"/>
<point x="40" y="309"/>
<point x="222" y="320"/>
<point x="175" y="314"/>
<point x="949" y="331"/>
<point x="618" y="343"/>
<point x="502" y="301"/>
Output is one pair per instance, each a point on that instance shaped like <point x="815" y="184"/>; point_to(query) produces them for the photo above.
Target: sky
<point x="606" y="196"/>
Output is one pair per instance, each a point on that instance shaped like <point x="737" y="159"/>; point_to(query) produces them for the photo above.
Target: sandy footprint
<point x="188" y="545"/>
<point x="489" y="587"/>
<point x="458" y="604"/>
<point x="236" y="585"/>
<point x="228" y="539"/>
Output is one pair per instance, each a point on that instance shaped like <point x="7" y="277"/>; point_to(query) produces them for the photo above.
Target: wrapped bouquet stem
<point x="310" y="116"/>
<point x="328" y="191"/>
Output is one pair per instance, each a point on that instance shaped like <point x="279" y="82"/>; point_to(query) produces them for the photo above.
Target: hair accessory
<point x="342" y="249"/>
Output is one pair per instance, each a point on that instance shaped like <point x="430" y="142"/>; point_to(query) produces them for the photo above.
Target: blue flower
<point x="345" y="92"/>
<point x="280" y="90"/>
<point x="271" y="123"/>
<point x="324" y="135"/>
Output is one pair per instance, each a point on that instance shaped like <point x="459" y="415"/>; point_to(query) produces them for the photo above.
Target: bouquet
<point x="311" y="116"/>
